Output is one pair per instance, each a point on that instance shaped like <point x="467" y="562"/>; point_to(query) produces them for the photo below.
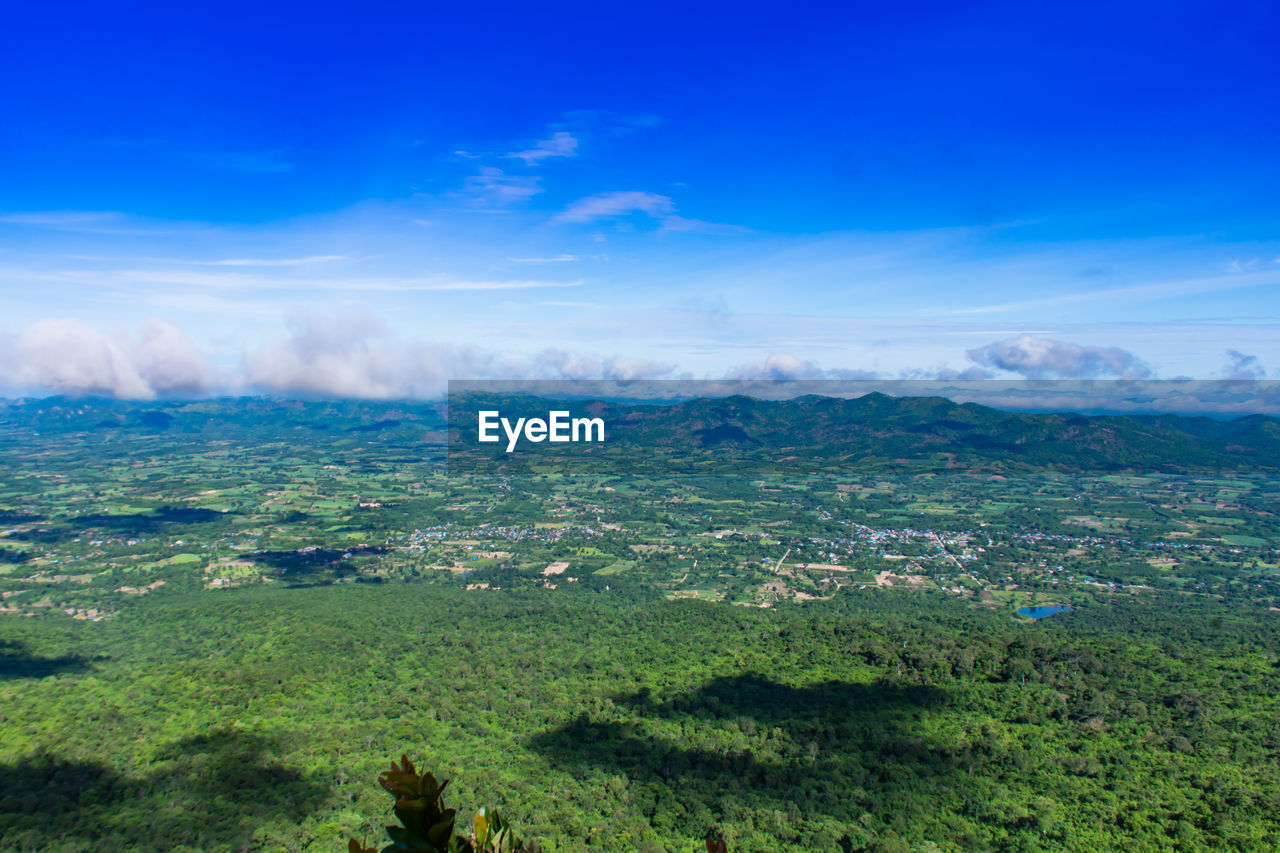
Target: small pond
<point x="1042" y="610"/>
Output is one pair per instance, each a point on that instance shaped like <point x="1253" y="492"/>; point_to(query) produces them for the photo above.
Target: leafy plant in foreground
<point x="427" y="826"/>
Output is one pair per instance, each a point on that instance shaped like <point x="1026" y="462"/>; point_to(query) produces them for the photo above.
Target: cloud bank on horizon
<point x="357" y="356"/>
<point x="767" y="196"/>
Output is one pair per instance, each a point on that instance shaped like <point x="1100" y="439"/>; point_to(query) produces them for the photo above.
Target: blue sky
<point x="367" y="200"/>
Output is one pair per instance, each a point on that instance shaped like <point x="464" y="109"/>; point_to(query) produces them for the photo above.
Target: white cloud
<point x="561" y="364"/>
<point x="66" y="356"/>
<point x="356" y="356"/>
<point x="1041" y="358"/>
<point x="781" y="366"/>
<point x="561" y="144"/>
<point x="342" y="355"/>
<point x="346" y="356"/>
<point x="1242" y="366"/>
<point x="168" y="360"/>
<point x="950" y="374"/>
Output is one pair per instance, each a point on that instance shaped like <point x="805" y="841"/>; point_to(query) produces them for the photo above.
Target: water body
<point x="1043" y="610"/>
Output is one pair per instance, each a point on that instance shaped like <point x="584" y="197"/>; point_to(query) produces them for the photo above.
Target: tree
<point x="427" y="826"/>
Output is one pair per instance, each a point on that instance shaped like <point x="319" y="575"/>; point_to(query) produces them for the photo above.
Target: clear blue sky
<point x="268" y="193"/>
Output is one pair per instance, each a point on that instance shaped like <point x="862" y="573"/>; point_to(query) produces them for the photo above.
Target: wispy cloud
<point x="266" y="162"/>
<point x="248" y="281"/>
<point x="62" y="219"/>
<point x="681" y="223"/>
<point x="311" y="260"/>
<point x="558" y="259"/>
<point x="560" y="144"/>
<point x="247" y="306"/>
<point x="106" y="222"/>
<point x="493" y="187"/>
<point x="270" y="262"/>
<point x="1150" y="290"/>
<point x="615" y="205"/>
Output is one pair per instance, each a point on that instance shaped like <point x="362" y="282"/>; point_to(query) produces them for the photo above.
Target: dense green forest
<point x="597" y="721"/>
<point x="221" y="620"/>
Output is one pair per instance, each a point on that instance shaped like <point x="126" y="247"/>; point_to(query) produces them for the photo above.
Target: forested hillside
<point x="264" y="720"/>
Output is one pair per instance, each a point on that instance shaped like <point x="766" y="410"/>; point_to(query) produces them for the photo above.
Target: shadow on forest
<point x="149" y="522"/>
<point x="313" y="564"/>
<point x="17" y="661"/>
<point x="213" y="791"/>
<point x="125" y="524"/>
<point x="15" y="516"/>
<point x="835" y="749"/>
<point x="44" y="536"/>
<point x="766" y="700"/>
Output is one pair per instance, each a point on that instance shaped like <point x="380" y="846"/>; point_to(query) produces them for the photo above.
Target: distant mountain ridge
<point x="871" y="426"/>
<point x="878" y="425"/>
